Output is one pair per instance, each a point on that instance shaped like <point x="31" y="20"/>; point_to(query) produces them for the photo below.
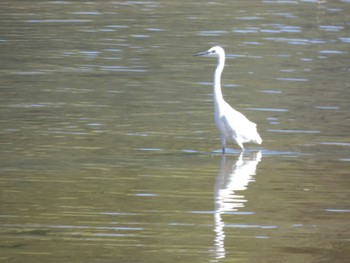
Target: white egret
<point x="232" y="125"/>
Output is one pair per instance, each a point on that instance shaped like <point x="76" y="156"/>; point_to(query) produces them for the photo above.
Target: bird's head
<point x="216" y="51"/>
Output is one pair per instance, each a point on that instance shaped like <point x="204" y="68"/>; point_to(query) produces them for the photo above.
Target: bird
<point x="233" y="125"/>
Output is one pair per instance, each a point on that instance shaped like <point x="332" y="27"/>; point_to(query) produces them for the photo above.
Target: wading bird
<point x="232" y="125"/>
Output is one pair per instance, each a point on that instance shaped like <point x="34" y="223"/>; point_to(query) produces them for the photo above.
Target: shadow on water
<point x="233" y="177"/>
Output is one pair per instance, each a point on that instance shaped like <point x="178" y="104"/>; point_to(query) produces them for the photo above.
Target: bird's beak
<point x="205" y="53"/>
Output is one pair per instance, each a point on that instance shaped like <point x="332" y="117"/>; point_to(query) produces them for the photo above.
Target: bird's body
<point x="232" y="125"/>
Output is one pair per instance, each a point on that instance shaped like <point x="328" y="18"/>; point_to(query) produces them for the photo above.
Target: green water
<point x="109" y="151"/>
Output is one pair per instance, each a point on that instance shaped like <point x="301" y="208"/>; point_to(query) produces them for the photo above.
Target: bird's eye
<point x="213" y="51"/>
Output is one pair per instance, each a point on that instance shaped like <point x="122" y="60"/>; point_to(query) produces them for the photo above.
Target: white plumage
<point x="233" y="125"/>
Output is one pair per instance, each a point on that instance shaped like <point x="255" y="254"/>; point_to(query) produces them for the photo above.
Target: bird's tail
<point x="258" y="139"/>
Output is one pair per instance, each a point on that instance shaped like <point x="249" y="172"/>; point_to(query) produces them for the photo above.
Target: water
<point x="109" y="151"/>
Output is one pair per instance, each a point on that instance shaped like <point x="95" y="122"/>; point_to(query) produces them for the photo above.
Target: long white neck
<point x="217" y="80"/>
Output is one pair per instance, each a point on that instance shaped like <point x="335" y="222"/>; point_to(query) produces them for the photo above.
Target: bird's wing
<point x="239" y="126"/>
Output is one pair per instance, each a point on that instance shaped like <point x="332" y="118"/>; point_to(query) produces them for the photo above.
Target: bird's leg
<point x="223" y="143"/>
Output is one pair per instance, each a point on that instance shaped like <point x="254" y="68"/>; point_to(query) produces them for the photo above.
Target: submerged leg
<point x="223" y="150"/>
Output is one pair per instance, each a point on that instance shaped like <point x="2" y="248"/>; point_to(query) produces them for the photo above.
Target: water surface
<point x="109" y="152"/>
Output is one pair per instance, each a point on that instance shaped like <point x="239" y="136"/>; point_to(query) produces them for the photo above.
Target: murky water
<point x="109" y="152"/>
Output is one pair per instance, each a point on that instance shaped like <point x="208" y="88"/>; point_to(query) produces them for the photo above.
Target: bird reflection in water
<point x="234" y="176"/>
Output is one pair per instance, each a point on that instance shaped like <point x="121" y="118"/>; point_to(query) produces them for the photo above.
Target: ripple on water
<point x="331" y="28"/>
<point x="268" y="109"/>
<point x="295" y="131"/>
<point x="281" y="153"/>
<point x="150" y="149"/>
<point x="293" y="79"/>
<point x="90" y="230"/>
<point x="345" y="39"/>
<point x="146" y="194"/>
<point x="249" y="18"/>
<point x="247" y="30"/>
<point x="212" y="33"/>
<point x="338" y="210"/>
<point x="87" y="13"/>
<point x="122" y="69"/>
<point x="30" y="72"/>
<point x="327" y="107"/>
<point x="336" y="143"/>
<point x="272" y="91"/>
<point x="281" y="28"/>
<point x="59" y="21"/>
<point x="296" y="41"/>
<point x="336" y="52"/>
